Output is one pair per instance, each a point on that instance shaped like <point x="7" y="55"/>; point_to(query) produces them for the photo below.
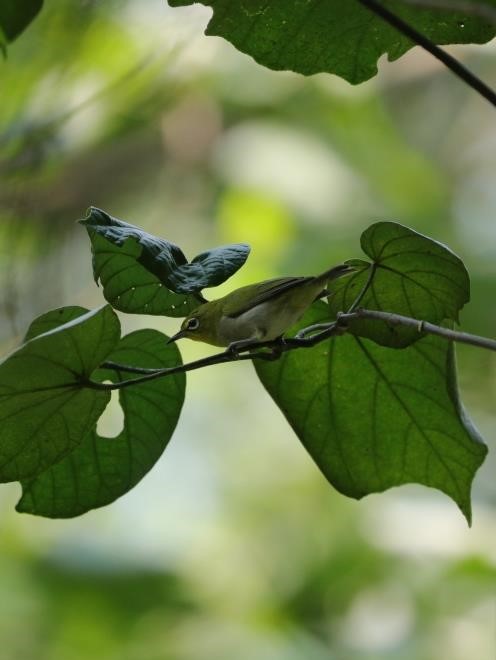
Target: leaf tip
<point x="464" y="503"/>
<point x="22" y="506"/>
<point x="466" y="510"/>
<point x="91" y="211"/>
<point x="26" y="503"/>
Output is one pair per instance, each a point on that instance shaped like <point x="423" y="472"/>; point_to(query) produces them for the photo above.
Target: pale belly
<point x="258" y="324"/>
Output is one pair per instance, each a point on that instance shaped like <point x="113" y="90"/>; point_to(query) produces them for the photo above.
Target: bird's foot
<point x="273" y="352"/>
<point x="278" y="347"/>
<point x="235" y="348"/>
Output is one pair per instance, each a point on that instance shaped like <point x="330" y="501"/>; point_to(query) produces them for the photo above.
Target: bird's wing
<point x="266" y="291"/>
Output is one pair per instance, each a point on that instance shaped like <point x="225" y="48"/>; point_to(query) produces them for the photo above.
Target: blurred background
<point x="234" y="546"/>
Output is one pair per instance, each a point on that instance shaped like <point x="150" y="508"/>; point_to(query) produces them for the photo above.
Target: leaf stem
<point x="417" y="37"/>
<point x="365" y="288"/>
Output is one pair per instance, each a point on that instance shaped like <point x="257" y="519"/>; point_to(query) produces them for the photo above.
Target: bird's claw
<point x="237" y="347"/>
<point x="233" y="352"/>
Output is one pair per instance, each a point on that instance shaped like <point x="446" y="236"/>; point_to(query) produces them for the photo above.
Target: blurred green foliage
<point x="234" y="546"/>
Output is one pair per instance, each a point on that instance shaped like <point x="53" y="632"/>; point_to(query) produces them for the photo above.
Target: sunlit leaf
<point x="373" y="418"/>
<point x="345" y="38"/>
<point x="102" y="469"/>
<point x="414" y="276"/>
<point x="45" y="411"/>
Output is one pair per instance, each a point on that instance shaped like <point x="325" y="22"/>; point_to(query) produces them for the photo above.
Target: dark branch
<point x="423" y="327"/>
<point x="255" y="351"/>
<point x="417" y="37"/>
<point x="272" y="350"/>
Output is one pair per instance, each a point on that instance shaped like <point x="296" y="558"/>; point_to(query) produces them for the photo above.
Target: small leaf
<point x="144" y="274"/>
<point x="414" y="276"/>
<point x="44" y="410"/>
<point x="16" y="15"/>
<point x="102" y="469"/>
<point x="373" y="418"/>
<point x="337" y="36"/>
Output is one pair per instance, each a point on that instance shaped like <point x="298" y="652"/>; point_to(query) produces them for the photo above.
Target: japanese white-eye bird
<point x="257" y="312"/>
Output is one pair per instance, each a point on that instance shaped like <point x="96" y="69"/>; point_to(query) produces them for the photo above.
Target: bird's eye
<point x="193" y="324"/>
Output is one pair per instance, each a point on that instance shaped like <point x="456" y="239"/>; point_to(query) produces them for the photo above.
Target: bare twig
<point x="255" y="351"/>
<point x="423" y="327"/>
<point x="417" y="37"/>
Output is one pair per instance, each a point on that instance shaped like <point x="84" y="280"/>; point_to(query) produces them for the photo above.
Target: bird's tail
<point x="335" y="272"/>
<point x="329" y="275"/>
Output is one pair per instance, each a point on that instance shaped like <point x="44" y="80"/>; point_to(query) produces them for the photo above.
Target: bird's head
<point x="201" y="324"/>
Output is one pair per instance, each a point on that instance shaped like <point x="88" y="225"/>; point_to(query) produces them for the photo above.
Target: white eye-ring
<point x="193" y="324"/>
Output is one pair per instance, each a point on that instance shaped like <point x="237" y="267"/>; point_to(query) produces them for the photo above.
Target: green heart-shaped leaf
<point x="102" y="469"/>
<point x="373" y="418"/>
<point x="413" y="275"/>
<point x="45" y="410"/>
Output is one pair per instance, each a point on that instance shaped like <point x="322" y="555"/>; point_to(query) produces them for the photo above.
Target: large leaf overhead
<point x="413" y="275"/>
<point x="336" y="36"/>
<point x="45" y="411"/>
<point x="102" y="469"/>
<point x="373" y="418"/>
<point x="145" y="274"/>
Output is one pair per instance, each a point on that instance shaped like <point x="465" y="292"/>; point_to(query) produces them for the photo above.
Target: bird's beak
<point x="175" y="337"/>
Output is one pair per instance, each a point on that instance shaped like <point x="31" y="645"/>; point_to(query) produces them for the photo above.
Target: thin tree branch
<point x="255" y="351"/>
<point x="417" y="37"/>
<point x="115" y="366"/>
<point x="153" y="374"/>
<point x="423" y="327"/>
<point x="258" y="350"/>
